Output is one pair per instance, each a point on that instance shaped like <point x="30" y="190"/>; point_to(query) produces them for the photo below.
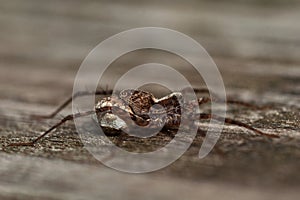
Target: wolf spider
<point x="137" y="104"/>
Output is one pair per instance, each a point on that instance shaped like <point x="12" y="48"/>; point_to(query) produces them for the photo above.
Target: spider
<point x="137" y="104"/>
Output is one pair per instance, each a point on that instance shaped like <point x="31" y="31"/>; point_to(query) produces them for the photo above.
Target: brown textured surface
<point x="256" y="47"/>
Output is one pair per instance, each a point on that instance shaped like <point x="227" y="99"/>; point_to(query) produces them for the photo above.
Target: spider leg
<point x="204" y="100"/>
<point x="65" y="119"/>
<point x="237" y="123"/>
<point x="68" y="101"/>
<point x="216" y="99"/>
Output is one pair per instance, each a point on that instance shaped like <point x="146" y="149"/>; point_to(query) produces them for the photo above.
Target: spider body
<point x="143" y="108"/>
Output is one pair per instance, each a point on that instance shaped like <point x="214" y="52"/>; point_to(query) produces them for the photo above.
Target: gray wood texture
<point x="256" y="46"/>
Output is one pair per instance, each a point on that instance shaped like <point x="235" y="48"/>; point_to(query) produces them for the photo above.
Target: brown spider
<point x="137" y="104"/>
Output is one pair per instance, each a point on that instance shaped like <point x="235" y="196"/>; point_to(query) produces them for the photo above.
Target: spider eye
<point x="123" y="94"/>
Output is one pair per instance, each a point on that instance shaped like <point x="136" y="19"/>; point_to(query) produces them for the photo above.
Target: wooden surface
<point x="256" y="47"/>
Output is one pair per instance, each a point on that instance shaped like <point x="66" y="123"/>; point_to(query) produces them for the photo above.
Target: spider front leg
<point x="65" y="119"/>
<point x="237" y="123"/>
<point x="204" y="100"/>
<point x="68" y="101"/>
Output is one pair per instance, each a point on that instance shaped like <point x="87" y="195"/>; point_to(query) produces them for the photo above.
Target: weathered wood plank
<point x="255" y="45"/>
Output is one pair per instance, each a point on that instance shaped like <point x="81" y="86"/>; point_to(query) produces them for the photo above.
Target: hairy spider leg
<point x="216" y="99"/>
<point x="121" y="113"/>
<point x="68" y="101"/>
<point x="237" y="123"/>
<point x="232" y="121"/>
<point x="65" y="119"/>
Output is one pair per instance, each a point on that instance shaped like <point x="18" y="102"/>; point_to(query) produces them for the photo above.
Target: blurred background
<point x="255" y="44"/>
